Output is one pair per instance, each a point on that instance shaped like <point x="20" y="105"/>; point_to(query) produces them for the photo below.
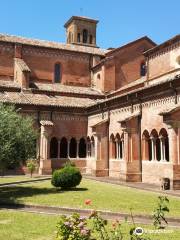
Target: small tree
<point x="31" y="165"/>
<point x="17" y="138"/>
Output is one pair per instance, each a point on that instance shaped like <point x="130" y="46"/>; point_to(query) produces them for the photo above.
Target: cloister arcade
<point x="117" y="146"/>
<point x="155" y="147"/>
<point x="72" y="148"/>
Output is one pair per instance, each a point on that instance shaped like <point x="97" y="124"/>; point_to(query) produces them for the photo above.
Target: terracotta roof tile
<point x="44" y="100"/>
<point x="24" y="67"/>
<point x="50" y="44"/>
<point x="56" y="87"/>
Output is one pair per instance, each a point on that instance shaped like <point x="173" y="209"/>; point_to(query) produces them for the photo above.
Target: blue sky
<point x="120" y="21"/>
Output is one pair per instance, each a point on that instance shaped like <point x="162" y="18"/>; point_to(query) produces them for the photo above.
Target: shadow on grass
<point x="13" y="194"/>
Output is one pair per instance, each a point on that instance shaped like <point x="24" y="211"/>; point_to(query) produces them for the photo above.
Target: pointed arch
<point x="54" y="148"/>
<point x="63" y="148"/>
<point x="73" y="148"/>
<point x="82" y="148"/>
<point x="85" y="35"/>
<point x="146" y="146"/>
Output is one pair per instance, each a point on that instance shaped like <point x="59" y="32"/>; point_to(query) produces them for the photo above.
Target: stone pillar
<point x="173" y="147"/>
<point x="122" y="149"/>
<point x="153" y="148"/>
<point x="117" y="150"/>
<point x="45" y="162"/>
<point x="161" y="149"/>
<point x="59" y="142"/>
<point x="68" y="149"/>
<point x="126" y="146"/>
<point x="77" y="149"/>
<point x="87" y="149"/>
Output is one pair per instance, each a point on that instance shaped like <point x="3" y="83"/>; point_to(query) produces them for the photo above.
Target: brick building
<point x="114" y="112"/>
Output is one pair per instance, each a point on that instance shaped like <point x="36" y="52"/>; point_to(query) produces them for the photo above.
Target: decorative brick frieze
<point x="31" y="51"/>
<point x="165" y="50"/>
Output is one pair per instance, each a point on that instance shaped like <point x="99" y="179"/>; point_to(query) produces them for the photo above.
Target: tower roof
<point x="87" y="19"/>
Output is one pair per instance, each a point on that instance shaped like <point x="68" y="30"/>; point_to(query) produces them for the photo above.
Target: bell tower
<point x="81" y="31"/>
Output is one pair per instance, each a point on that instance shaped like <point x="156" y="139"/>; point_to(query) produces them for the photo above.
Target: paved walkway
<point x="143" y="219"/>
<point x="137" y="185"/>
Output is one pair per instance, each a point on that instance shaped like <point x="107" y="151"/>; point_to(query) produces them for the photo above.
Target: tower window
<point x="143" y="69"/>
<point x="57" y="73"/>
<point x="79" y="37"/>
<point x="98" y="76"/>
<point x="91" y="39"/>
<point x="85" y="36"/>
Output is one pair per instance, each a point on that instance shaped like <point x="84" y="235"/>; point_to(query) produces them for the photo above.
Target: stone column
<point x="77" y="149"/>
<point x="117" y="150"/>
<point x="87" y="149"/>
<point x="161" y="149"/>
<point x="68" y="149"/>
<point x="59" y="142"/>
<point x="122" y="149"/>
<point x="153" y="148"/>
<point x="126" y="146"/>
<point x="45" y="162"/>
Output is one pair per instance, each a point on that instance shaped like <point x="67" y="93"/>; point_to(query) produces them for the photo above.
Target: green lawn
<point x="104" y="196"/>
<point x="9" y="179"/>
<point x="30" y="226"/>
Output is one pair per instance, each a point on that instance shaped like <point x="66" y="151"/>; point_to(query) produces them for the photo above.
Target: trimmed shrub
<point x="67" y="177"/>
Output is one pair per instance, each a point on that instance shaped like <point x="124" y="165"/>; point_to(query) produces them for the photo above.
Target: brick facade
<point x="113" y="112"/>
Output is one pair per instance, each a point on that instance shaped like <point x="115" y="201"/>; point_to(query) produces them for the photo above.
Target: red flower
<point x="88" y="201"/>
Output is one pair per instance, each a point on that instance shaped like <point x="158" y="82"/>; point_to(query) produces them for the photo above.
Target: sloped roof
<point x="56" y="87"/>
<point x="28" y="98"/>
<point x="51" y="44"/>
<point x="24" y="67"/>
<point x="163" y="45"/>
<point x="87" y="19"/>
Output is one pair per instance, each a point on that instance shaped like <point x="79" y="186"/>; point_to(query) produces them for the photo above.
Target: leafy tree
<point x="17" y="138"/>
<point x="31" y="165"/>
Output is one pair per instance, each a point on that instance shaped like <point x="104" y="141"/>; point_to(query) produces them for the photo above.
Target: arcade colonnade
<point x="125" y="154"/>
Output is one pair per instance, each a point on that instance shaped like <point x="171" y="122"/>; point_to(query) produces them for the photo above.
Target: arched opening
<point x="164" y="144"/>
<point x="54" y="148"/>
<point x="112" y="146"/>
<point x="82" y="148"/>
<point x="146" y="146"/>
<point x="143" y="69"/>
<point x="63" y="148"/>
<point x="79" y="37"/>
<point x="98" y="76"/>
<point x="155" y="145"/>
<point x="117" y="140"/>
<point x="122" y="146"/>
<point x="85" y="35"/>
<point x="90" y="39"/>
<point x="158" y="149"/>
<point x="57" y="73"/>
<point x="73" y="148"/>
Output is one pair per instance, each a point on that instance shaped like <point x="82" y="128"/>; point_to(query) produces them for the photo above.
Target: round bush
<point x="67" y="177"/>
